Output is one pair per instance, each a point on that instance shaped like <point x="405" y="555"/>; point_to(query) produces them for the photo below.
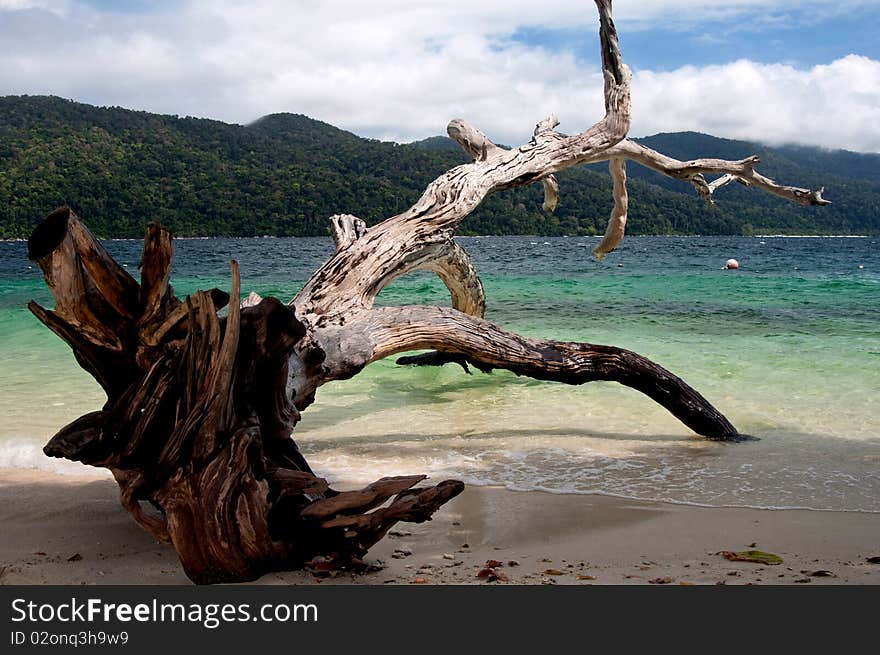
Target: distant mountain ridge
<point x="286" y="174"/>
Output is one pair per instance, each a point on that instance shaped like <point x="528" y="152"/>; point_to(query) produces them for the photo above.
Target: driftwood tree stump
<point x="200" y="408"/>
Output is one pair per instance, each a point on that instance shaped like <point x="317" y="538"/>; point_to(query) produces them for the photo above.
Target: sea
<point x="788" y="347"/>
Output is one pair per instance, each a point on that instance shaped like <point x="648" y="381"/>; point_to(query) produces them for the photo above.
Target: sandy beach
<point x="60" y="529"/>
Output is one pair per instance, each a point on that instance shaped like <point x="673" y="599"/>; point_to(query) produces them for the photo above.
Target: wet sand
<point x="61" y="529"/>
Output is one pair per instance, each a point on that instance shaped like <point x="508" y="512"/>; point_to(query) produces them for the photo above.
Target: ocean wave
<point x="23" y="453"/>
<point x="661" y="476"/>
<point x="668" y="475"/>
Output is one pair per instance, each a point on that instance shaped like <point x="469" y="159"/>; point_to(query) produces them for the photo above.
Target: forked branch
<point x="350" y="280"/>
<point x="694" y="171"/>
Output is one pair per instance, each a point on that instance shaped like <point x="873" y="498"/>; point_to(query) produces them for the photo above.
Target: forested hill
<point x="286" y="174"/>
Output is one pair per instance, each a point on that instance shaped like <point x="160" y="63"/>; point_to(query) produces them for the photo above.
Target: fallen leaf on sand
<point x="663" y="580"/>
<point x="40" y="553"/>
<point x="491" y="575"/>
<point x="755" y="556"/>
<point x="586" y="577"/>
<point x="419" y="581"/>
<point x="492" y="563"/>
<point x="321" y="565"/>
<point x="553" y="572"/>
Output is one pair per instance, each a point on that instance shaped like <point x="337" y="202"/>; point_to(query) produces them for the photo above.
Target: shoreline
<point x="63" y="529"/>
<point x="74" y="473"/>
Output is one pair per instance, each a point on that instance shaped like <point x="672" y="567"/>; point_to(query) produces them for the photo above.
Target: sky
<point x="783" y="71"/>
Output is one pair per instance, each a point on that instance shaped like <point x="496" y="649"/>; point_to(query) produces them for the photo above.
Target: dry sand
<point x="66" y="530"/>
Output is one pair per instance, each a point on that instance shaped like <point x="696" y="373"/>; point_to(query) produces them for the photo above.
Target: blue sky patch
<point x="800" y="40"/>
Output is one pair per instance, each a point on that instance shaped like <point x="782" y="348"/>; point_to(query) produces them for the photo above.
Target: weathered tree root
<point x="197" y="425"/>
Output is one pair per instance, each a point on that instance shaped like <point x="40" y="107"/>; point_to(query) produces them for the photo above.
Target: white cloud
<point x="835" y="105"/>
<point x="401" y="69"/>
<point x="21" y="4"/>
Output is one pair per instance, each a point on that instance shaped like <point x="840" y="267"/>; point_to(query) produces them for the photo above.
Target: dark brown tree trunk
<point x="197" y="425"/>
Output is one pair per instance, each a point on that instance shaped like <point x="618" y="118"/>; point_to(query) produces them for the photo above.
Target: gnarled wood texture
<point x="200" y="411"/>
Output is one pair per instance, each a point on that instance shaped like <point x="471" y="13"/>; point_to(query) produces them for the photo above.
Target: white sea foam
<point x="23" y="453"/>
<point x="702" y="474"/>
<point x="548" y="470"/>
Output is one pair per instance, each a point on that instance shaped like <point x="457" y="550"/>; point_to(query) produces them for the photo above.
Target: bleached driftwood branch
<point x="479" y="147"/>
<point x="201" y="407"/>
<point x="693" y="171"/>
<point x="617" y="223"/>
<point x="345" y="229"/>
<point x="350" y="279"/>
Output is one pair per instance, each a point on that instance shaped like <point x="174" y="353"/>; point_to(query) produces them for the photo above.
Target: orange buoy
<point x="731" y="265"/>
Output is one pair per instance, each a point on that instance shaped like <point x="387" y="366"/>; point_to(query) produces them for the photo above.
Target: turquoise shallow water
<point x="788" y="347"/>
